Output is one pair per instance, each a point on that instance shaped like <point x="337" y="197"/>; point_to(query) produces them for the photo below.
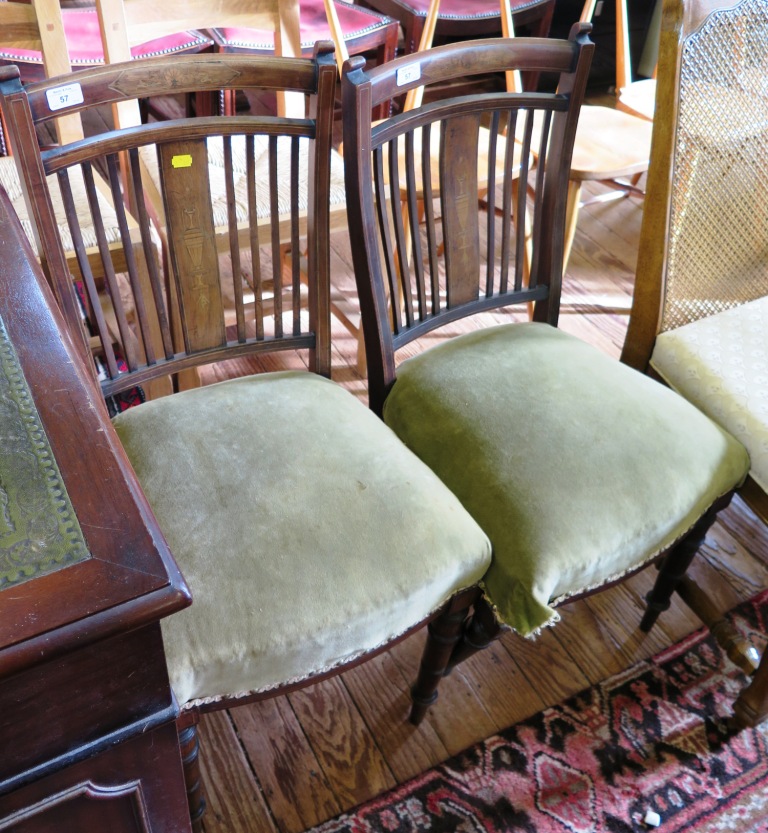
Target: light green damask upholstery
<point x="720" y="364"/>
<point x="578" y="468"/>
<point x="307" y="532"/>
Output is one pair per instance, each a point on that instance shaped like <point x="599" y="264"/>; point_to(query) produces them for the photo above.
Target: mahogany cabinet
<point x="87" y="718"/>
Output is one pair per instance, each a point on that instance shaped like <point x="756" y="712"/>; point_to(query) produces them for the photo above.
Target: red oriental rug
<point x="654" y="737"/>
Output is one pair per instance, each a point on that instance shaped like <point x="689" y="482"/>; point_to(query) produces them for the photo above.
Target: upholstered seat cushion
<point x="81" y="29"/>
<point x="720" y="364"/>
<point x="578" y="468"/>
<point x="462" y="9"/>
<point x="307" y="532"/>
<point x="355" y="22"/>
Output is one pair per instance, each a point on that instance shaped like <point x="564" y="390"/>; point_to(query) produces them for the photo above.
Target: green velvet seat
<point x="306" y="531"/>
<point x="578" y="468"/>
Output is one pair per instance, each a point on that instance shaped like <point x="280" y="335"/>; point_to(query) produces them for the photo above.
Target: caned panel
<point x="718" y="238"/>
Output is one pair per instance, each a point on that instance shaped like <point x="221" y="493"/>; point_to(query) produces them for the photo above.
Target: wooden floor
<point x="290" y="763"/>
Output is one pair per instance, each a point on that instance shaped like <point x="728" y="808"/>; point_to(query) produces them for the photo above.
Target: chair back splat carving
<point x="309" y="535"/>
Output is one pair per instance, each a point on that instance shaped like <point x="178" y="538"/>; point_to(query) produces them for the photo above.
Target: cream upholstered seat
<point x="580" y="469"/>
<point x="701" y="300"/>
<point x="720" y="364"/>
<point x="309" y="535"/>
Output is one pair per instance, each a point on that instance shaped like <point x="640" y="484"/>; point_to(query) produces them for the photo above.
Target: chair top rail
<point x="441" y="63"/>
<point x="114" y="83"/>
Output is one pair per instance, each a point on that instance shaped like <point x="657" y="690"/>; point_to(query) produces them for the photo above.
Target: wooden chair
<point x="127" y="22"/>
<point x="83" y="38"/>
<point x="84" y="45"/>
<point x="353" y="29"/>
<point x="414" y="98"/>
<point x="580" y="469"/>
<point x="467" y="19"/>
<point x="19" y="31"/>
<point x="309" y="535"/>
<point x="634" y="95"/>
<point x="701" y="301"/>
<point x="612" y="147"/>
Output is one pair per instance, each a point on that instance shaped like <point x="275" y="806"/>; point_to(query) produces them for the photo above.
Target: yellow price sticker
<point x="183" y="160"/>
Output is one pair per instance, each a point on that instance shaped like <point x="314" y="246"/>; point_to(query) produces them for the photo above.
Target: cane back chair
<point x="700" y="314"/>
<point x="580" y="469"/>
<point x="308" y="534"/>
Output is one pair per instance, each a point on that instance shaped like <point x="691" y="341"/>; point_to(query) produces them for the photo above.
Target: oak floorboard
<point x="293" y="781"/>
<point x="745" y="527"/>
<point x="343" y="744"/>
<point x="459" y="717"/>
<point x="549" y="669"/>
<point x="234" y="797"/>
<point x="507" y="693"/>
<point x="588" y="638"/>
<point x="382" y="694"/>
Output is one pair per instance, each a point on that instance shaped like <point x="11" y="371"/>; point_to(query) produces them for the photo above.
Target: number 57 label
<point x="66" y="96"/>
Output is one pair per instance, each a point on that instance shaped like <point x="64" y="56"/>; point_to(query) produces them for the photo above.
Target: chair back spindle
<point x="259" y="159"/>
<point x="429" y="156"/>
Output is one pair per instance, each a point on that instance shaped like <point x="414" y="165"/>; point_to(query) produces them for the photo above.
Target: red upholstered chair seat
<point x="355" y="21"/>
<point x="364" y="31"/>
<point x="81" y="27"/>
<point x="458" y="9"/>
<point x="466" y="19"/>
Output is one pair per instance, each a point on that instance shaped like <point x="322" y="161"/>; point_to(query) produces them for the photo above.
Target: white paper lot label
<point x="407" y="74"/>
<point x="66" y="96"/>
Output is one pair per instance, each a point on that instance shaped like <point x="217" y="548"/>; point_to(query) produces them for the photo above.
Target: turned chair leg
<point x="673" y="569"/>
<point x="479" y="631"/>
<point x="190" y="759"/>
<point x="751" y="706"/>
<point x="444" y="632"/>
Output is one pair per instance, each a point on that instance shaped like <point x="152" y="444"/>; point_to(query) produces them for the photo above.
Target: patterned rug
<point x="651" y="738"/>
